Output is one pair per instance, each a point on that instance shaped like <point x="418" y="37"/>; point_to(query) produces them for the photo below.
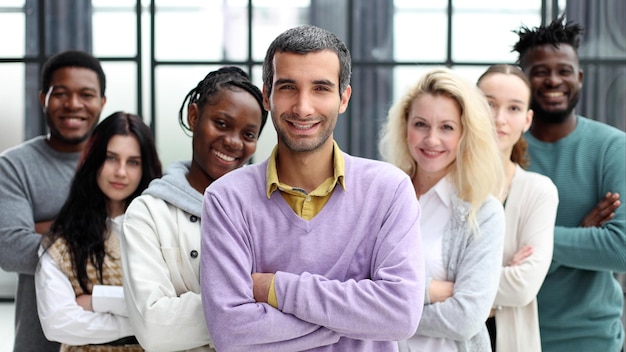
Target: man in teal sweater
<point x="580" y="302"/>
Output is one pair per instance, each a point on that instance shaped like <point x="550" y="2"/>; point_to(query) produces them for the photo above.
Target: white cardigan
<point x="530" y="213"/>
<point x="160" y="256"/>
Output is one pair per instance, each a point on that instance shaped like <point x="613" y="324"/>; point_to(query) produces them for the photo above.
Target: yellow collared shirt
<point x="306" y="205"/>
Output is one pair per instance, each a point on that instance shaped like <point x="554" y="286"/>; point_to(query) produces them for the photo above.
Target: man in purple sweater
<point x="312" y="249"/>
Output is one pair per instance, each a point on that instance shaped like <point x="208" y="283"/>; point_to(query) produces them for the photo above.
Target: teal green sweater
<point x="580" y="302"/>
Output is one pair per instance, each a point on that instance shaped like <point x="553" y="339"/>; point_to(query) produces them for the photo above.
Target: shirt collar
<point x="444" y="190"/>
<point x="271" y="173"/>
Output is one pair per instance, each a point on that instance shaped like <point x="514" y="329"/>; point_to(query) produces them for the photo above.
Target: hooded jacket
<point x="161" y="256"/>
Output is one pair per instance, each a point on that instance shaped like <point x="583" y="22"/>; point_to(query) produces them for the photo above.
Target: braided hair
<point x="557" y="32"/>
<point x="207" y="91"/>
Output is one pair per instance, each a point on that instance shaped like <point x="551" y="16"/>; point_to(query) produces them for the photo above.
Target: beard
<point x="69" y="140"/>
<point x="305" y="145"/>
<point x="554" y="117"/>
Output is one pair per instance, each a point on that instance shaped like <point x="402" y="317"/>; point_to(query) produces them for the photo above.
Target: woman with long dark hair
<point x="78" y="281"/>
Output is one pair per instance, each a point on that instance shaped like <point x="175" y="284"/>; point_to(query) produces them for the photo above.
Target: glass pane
<point x="119" y="39"/>
<point x="470" y="73"/>
<point x="12" y="120"/>
<point x="562" y="5"/>
<point x="12" y="3"/>
<point x="12" y="44"/>
<point x="270" y="18"/>
<point x="267" y="140"/>
<point x="200" y="30"/>
<point x="496" y="5"/>
<point x="405" y="77"/>
<point x="113" y="3"/>
<point x="235" y="30"/>
<point x="482" y="30"/>
<point x="121" y="89"/>
<point x="420" y="31"/>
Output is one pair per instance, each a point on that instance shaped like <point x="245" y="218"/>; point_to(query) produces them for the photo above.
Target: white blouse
<point x="436" y="213"/>
<point x="63" y="320"/>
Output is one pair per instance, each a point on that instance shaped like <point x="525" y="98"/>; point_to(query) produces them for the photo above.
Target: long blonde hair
<point x="477" y="170"/>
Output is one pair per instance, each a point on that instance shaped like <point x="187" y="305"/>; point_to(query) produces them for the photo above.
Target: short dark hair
<point x="207" y="91"/>
<point x="559" y="31"/>
<point x="306" y="39"/>
<point x="72" y="58"/>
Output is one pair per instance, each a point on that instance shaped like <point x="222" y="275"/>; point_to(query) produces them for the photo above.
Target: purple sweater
<point x="350" y="279"/>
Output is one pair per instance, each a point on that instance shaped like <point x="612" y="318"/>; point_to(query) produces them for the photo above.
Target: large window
<point x="155" y="51"/>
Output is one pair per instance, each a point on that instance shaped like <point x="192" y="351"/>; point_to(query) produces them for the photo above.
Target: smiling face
<point x="305" y="101"/>
<point x="120" y="174"/>
<point x="72" y="106"/>
<point x="508" y="97"/>
<point x="224" y="135"/>
<point x="433" y="134"/>
<point x="556" y="80"/>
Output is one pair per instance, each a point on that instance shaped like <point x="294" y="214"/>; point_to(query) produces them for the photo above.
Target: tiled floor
<point x="7" y="311"/>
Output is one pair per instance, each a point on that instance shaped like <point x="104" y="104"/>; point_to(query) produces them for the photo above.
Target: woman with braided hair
<point x="161" y="242"/>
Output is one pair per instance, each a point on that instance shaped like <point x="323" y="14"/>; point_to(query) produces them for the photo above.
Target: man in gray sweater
<point x="35" y="177"/>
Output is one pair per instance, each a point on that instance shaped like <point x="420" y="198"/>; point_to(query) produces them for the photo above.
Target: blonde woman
<point x="530" y="203"/>
<point x="441" y="134"/>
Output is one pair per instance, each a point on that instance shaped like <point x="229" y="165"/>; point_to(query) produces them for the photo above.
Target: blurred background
<point x="154" y="51"/>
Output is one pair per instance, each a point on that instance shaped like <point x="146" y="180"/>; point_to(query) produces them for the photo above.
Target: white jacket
<point x="160" y="256"/>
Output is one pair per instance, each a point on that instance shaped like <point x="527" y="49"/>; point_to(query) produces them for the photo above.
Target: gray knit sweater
<point x="473" y="262"/>
<point x="34" y="183"/>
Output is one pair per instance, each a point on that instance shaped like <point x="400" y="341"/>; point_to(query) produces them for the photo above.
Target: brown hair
<point x="519" y="154"/>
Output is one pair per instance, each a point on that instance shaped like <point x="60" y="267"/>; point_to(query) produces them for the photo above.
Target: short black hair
<point x="71" y="58"/>
<point x="559" y="31"/>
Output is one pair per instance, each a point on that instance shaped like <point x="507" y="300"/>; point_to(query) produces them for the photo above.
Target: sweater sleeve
<point x="158" y="312"/>
<point x="599" y="248"/>
<point x="463" y="315"/>
<point x="519" y="284"/>
<point x="18" y="239"/>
